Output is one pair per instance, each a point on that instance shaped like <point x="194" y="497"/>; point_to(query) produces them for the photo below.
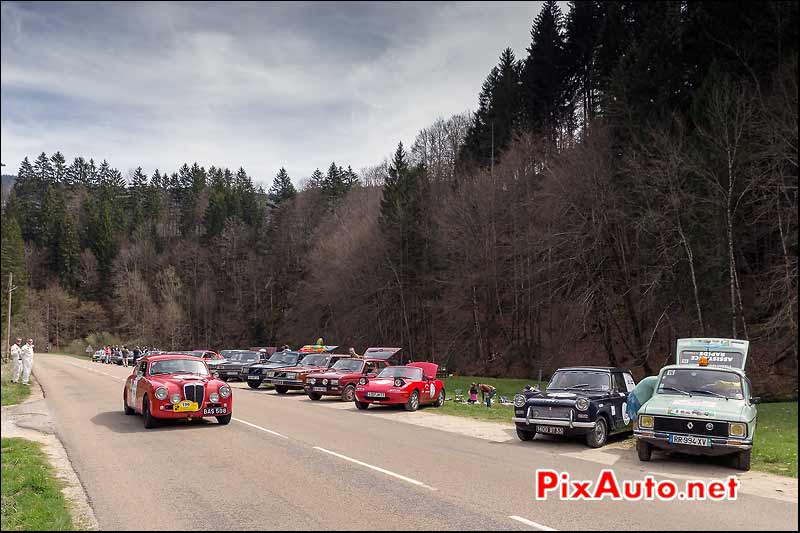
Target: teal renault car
<point x="701" y="405"/>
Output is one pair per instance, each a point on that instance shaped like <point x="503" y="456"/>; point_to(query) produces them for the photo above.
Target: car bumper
<point x="165" y="411"/>
<point x="391" y="398"/>
<point x="525" y="423"/>
<point x="228" y="374"/>
<point x="719" y="445"/>
<point x="329" y="390"/>
<point x="288" y="383"/>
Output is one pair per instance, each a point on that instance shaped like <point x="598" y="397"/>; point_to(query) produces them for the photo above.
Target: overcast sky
<point x="254" y="85"/>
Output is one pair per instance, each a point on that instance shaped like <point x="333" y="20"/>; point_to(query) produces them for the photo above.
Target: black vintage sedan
<point x="588" y="401"/>
<point x="235" y="361"/>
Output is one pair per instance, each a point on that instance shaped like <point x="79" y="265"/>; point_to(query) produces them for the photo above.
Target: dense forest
<point x="630" y="180"/>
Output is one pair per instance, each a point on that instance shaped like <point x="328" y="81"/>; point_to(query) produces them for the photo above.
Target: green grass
<point x="497" y="413"/>
<point x="775" y="448"/>
<point x="11" y="393"/>
<point x="31" y="494"/>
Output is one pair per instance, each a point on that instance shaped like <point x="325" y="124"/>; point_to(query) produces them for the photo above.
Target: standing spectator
<point x="108" y="353"/>
<point x="487" y="392"/>
<point x="125" y="353"/>
<point x="26" y="354"/>
<point x="137" y="352"/>
<point x="15" y="357"/>
<point x="353" y="353"/>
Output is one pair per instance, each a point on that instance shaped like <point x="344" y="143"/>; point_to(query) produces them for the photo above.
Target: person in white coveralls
<point x="15" y="349"/>
<point x="25" y="360"/>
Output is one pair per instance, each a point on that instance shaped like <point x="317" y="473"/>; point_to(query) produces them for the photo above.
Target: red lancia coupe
<point x="170" y="386"/>
<point x="410" y="385"/>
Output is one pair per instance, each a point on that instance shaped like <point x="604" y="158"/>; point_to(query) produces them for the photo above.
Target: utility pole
<point x="11" y="289"/>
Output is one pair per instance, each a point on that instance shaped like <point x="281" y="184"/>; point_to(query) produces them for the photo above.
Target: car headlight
<point x="291" y="375"/>
<point x="519" y="400"/>
<point x="362" y="381"/>
<point x="213" y="397"/>
<point x="581" y="404"/>
<point x="645" y="421"/>
<point x="174" y="398"/>
<point x="324" y="381"/>
<point x="161" y="393"/>
<point x="334" y="382"/>
<point x="399" y="382"/>
<point x="311" y="381"/>
<point x="225" y="391"/>
<point x="737" y="429"/>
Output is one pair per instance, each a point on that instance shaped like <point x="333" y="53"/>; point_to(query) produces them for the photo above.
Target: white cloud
<point x="259" y="86"/>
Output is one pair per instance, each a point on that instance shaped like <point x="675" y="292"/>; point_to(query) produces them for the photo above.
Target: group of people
<point x="22" y="357"/>
<point x="487" y="391"/>
<point x="124" y="352"/>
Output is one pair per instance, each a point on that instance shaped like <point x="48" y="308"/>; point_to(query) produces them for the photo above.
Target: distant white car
<point x="98" y="355"/>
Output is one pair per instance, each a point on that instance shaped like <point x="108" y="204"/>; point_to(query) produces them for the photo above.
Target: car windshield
<point x="178" y="366"/>
<point x="701" y="382"/>
<point x="579" y="380"/>
<point x="284" y="357"/>
<point x="315" y="360"/>
<point x="349" y="365"/>
<point x="240" y="356"/>
<point x="407" y="372"/>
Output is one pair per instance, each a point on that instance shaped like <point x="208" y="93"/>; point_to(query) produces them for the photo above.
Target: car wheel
<point x="597" y="437"/>
<point x="349" y="393"/>
<point x="128" y="410"/>
<point x="361" y="405"/>
<point x="644" y="450"/>
<point x="224" y="420"/>
<point x="253" y="384"/>
<point x="149" y="420"/>
<point x="440" y="399"/>
<point x="525" y="435"/>
<point x="315" y="396"/>
<point x="741" y="460"/>
<point x="413" y="401"/>
<point x="280" y="389"/>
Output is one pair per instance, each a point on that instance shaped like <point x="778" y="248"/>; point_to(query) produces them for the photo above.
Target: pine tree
<point x="12" y="260"/>
<point x="29" y="191"/>
<point x="137" y="198"/>
<point x="282" y="188"/>
<point x="545" y="75"/>
<point x="316" y="180"/>
<point x="581" y="39"/>
<point x="101" y="235"/>
<point x="69" y="252"/>
<point x="59" y="166"/>
<point x="42" y="169"/>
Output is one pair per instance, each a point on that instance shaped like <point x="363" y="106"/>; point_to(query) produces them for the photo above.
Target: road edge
<point x="43" y="432"/>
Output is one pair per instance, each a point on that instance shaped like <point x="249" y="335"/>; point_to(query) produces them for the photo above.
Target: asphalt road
<point x="286" y="462"/>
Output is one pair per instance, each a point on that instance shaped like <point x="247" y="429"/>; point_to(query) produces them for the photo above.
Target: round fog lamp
<point x="311" y="381"/>
<point x="324" y="381"/>
<point x="214" y="397"/>
<point x="174" y="398"/>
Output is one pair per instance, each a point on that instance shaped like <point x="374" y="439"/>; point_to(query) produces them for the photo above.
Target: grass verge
<point x="31" y="494"/>
<point x="11" y="393"/>
<point x="497" y="413"/>
<point x="775" y="448"/>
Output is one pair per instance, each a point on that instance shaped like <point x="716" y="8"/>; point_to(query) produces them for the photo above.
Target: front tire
<point x="349" y="393"/>
<point x="149" y="420"/>
<point x="280" y="389"/>
<point x="315" y="396"/>
<point x="413" y="402"/>
<point x="253" y="384"/>
<point x="128" y="410"/>
<point x="741" y="460"/>
<point x="225" y="419"/>
<point x="598" y="436"/>
<point x="644" y="450"/>
<point x="362" y="406"/>
<point x="525" y="435"/>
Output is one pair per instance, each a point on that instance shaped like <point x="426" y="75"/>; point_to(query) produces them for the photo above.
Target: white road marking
<point x="376" y="468"/>
<point x="531" y="523"/>
<point x="260" y="428"/>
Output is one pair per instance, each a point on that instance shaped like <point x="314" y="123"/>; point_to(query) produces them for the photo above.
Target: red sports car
<point x="410" y="385"/>
<point x="171" y="386"/>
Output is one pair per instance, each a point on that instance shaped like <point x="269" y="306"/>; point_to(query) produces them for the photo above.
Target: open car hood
<point x="383" y="354"/>
<point x="428" y="369"/>
<point x="730" y="353"/>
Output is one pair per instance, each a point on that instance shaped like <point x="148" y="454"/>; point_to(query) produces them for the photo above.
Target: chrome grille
<point x="194" y="392"/>
<point x="549" y="411"/>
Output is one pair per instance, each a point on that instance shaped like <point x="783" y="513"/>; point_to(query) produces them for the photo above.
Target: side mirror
<point x="755" y="399"/>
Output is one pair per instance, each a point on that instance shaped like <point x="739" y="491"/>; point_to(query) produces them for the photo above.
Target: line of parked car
<point x="700" y="405"/>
